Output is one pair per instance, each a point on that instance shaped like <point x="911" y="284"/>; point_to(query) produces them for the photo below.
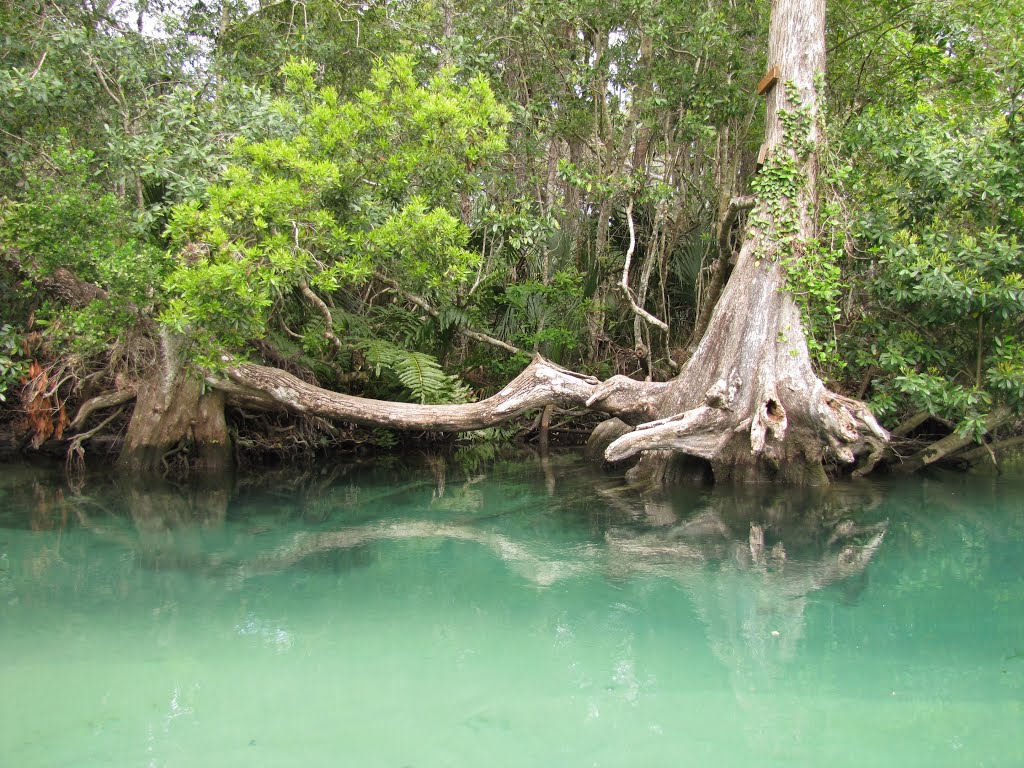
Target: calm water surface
<point x="516" y="614"/>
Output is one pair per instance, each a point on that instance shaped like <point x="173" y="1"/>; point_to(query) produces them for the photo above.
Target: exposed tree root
<point x="75" y="456"/>
<point x="710" y="431"/>
<point x="781" y="419"/>
<point x="102" y="402"/>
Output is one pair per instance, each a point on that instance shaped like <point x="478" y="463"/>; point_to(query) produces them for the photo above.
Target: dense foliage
<point x="407" y="200"/>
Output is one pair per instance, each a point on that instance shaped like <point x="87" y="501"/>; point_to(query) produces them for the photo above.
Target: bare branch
<point x="910" y="424"/>
<point x="542" y="383"/>
<point x="637" y="309"/>
<point x="99" y="403"/>
<point x="39" y="66"/>
<point x="325" y="312"/>
<point x="423" y="304"/>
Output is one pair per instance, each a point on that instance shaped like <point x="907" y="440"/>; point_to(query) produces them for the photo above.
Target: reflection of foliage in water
<point x="749" y="559"/>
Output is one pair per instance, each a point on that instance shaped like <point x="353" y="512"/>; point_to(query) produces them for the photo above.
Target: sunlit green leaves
<point x="346" y="189"/>
<point x="424" y="245"/>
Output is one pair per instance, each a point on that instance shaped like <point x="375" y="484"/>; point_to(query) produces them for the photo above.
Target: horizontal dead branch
<point x="908" y="425"/>
<point x="915" y="421"/>
<point x="541" y="383"/>
<point x="990" y="450"/>
<point x="950" y="444"/>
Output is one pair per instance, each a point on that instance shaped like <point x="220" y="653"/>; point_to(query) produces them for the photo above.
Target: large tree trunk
<point x="747" y="404"/>
<point x="175" y="416"/>
<point x="749" y="401"/>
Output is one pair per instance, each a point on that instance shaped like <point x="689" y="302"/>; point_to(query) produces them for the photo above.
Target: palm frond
<point x="688" y="260"/>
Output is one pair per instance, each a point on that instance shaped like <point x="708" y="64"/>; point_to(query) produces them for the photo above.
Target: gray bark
<point x="172" y="410"/>
<point x="748" y="400"/>
<point x="542" y="383"/>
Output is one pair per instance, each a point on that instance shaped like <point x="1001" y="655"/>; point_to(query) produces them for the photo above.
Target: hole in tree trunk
<point x="773" y="410"/>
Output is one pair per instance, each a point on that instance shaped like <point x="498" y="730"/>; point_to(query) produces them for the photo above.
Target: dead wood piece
<point x="951" y="444"/>
<point x="542" y="383"/>
<point x="990" y="450"/>
<point x="910" y="424"/>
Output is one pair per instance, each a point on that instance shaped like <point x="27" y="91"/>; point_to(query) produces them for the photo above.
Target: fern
<point x="453" y="319"/>
<point x="303" y="354"/>
<point x="419" y="373"/>
<point x="384" y="438"/>
<point x="352" y="323"/>
<point x="399" y="324"/>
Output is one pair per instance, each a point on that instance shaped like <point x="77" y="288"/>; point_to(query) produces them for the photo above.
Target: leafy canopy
<point x="346" y="190"/>
<point x="940" y="201"/>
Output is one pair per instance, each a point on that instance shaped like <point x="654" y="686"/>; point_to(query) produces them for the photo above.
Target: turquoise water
<point x="523" y="613"/>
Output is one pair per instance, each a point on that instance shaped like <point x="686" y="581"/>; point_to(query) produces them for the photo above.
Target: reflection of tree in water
<point x="793" y="544"/>
<point x="319" y="520"/>
<point x="750" y="563"/>
<point x="165" y="526"/>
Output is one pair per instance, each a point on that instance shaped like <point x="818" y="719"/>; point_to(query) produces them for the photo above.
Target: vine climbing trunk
<point x="748" y="401"/>
<point x="747" y="405"/>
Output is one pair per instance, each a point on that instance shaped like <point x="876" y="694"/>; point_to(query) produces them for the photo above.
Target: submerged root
<point x="772" y="434"/>
<point x="700" y="432"/>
